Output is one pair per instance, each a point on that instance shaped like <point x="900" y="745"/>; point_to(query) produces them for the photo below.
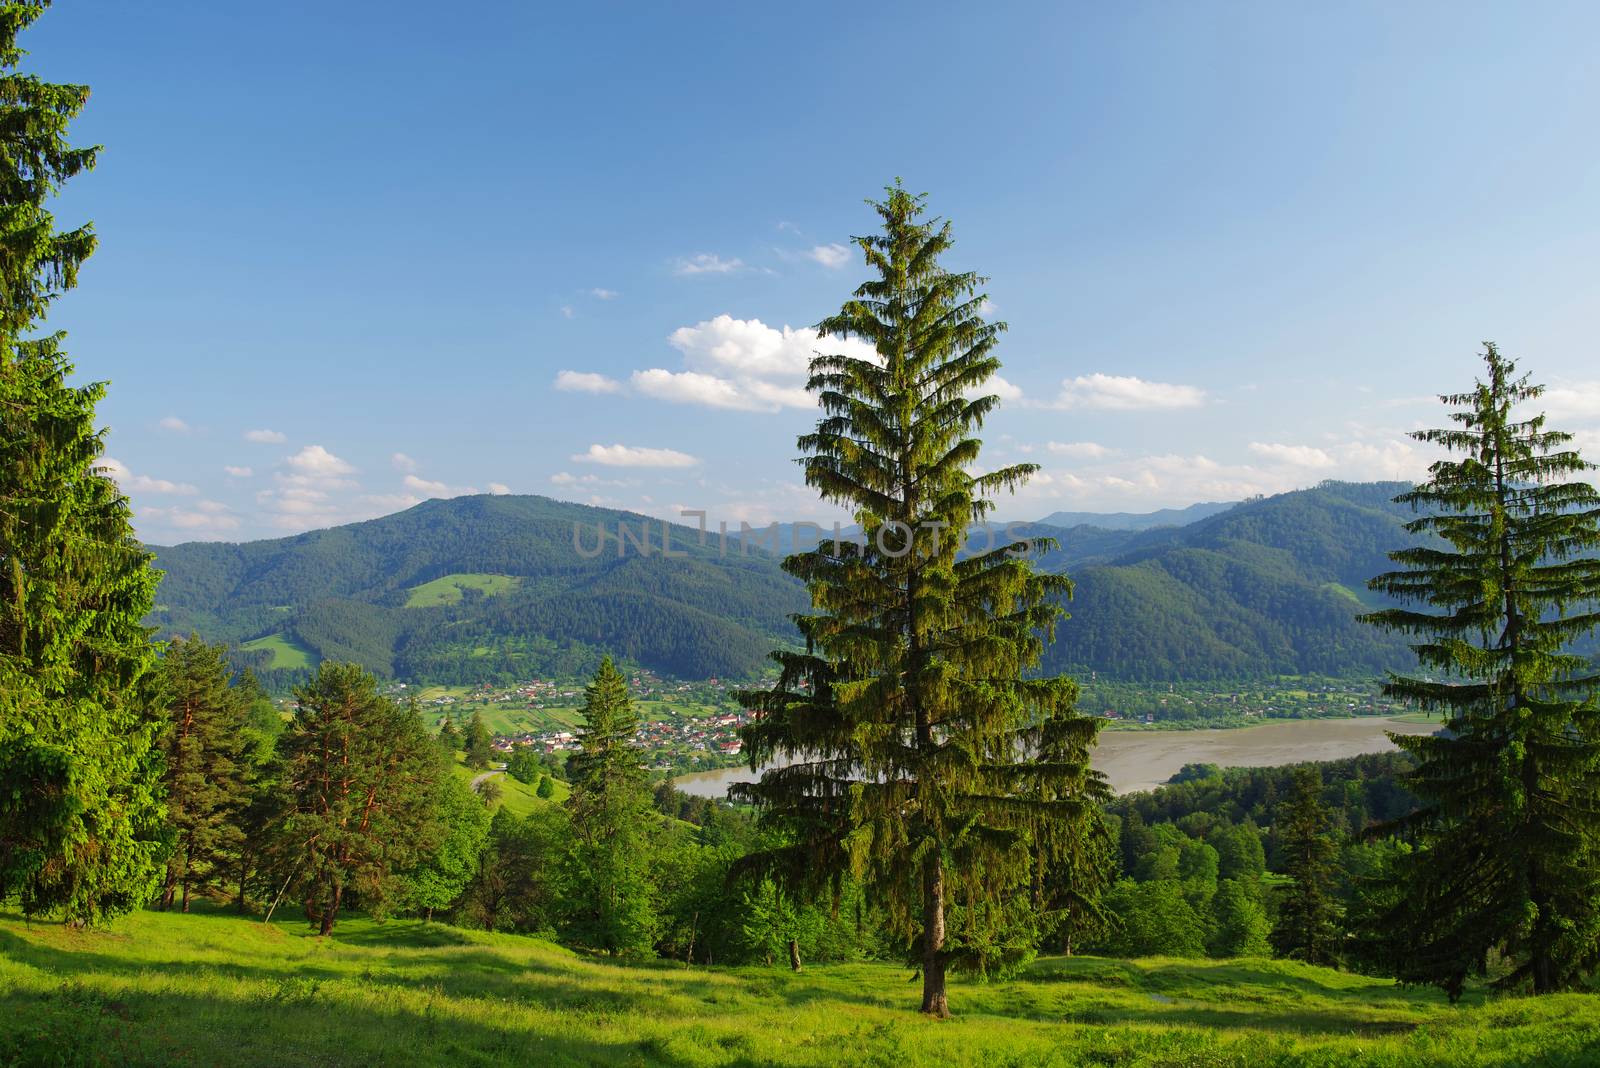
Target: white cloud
<point x="632" y="456"/>
<point x="401" y="462"/>
<point x="265" y="437"/>
<point x="1575" y="400"/>
<point x="585" y="382"/>
<point x="568" y="312"/>
<point x="422" y="485"/>
<point x="314" y="461"/>
<point x="499" y="489"/>
<point x="832" y="256"/>
<point x="239" y="472"/>
<point x="1126" y="393"/>
<point x="742" y="365"/>
<point x="600" y="293"/>
<point x="1079" y="450"/>
<point x="132" y="483"/>
<point x="174" y="424"/>
<point x="1001" y="388"/>
<point x="1293" y="455"/>
<point x="707" y="263"/>
<point x="206" y="517"/>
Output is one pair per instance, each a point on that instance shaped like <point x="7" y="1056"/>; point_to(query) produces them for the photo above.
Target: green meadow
<point x="446" y="590"/>
<point x="286" y="652"/>
<point x="211" y="988"/>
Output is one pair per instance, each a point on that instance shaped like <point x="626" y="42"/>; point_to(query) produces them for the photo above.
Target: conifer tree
<point x="1507" y="832"/>
<point x="79" y="783"/>
<point x="478" y="745"/>
<point x="206" y="769"/>
<point x="361" y="773"/>
<point x="611" y="813"/>
<point x="913" y="746"/>
<point x="1307" y="925"/>
<point x="449" y="737"/>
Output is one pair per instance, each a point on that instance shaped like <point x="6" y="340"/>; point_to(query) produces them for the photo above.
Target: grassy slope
<point x="286" y="652"/>
<point x="447" y="589"/>
<point x="214" y="989"/>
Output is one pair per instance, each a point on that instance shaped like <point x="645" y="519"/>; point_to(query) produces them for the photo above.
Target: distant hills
<point x="1166" y="517"/>
<point x="481" y="589"/>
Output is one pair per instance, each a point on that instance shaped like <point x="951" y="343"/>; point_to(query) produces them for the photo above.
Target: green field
<point x="446" y="590"/>
<point x="516" y="797"/>
<point x="214" y="989"/>
<point x="286" y="652"/>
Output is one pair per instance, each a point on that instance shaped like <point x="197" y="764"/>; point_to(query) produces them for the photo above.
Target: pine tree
<point x="1307" y="925"/>
<point x="361" y="773"/>
<point x="207" y="767"/>
<point x="611" y="812"/>
<point x="449" y="737"/>
<point x="1507" y="832"/>
<point x="911" y="740"/>
<point x="479" y="746"/>
<point x="79" y="782"/>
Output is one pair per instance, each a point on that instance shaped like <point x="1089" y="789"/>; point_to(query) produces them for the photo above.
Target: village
<point x="684" y="725"/>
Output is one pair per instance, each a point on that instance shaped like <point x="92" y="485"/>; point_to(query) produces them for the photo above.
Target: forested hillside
<point x="482" y="589"/>
<point x="348" y="593"/>
<point x="1271" y="586"/>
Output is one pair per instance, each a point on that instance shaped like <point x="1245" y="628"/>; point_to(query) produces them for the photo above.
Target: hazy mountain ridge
<point x="1268" y="586"/>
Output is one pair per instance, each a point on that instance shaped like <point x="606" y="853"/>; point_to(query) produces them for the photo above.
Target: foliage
<point x="904" y="723"/>
<point x="1507" y="835"/>
<point x="1307" y="925"/>
<point x="207" y="769"/>
<point x="79" y="778"/>
<point x="363" y="778"/>
<point x="477" y="743"/>
<point x="443" y="873"/>
<point x="611" y="907"/>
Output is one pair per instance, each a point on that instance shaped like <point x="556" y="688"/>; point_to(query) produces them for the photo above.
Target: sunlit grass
<point x="210" y="988"/>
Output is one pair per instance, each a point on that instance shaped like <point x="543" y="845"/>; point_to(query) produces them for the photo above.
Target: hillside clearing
<point x="210" y="988"/>
<point x="287" y="653"/>
<point x="446" y="590"/>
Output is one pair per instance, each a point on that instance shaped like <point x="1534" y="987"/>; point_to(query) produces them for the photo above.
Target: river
<point x="1142" y="760"/>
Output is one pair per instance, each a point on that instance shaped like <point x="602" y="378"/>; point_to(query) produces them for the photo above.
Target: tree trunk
<point x="934" y="1002"/>
<point x="186" y="895"/>
<point x="169" y="890"/>
<point x="794" y="954"/>
<point x="328" y="913"/>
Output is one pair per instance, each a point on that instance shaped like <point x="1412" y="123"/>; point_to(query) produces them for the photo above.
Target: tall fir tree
<point x="911" y="741"/>
<point x="1307" y="926"/>
<point x="611" y="813"/>
<point x="362" y="776"/>
<point x="80" y="816"/>
<point x="1507" y="832"/>
<point x="207" y="770"/>
<point x="477" y="743"/>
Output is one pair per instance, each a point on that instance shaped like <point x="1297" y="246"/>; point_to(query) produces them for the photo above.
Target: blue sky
<point x="349" y="249"/>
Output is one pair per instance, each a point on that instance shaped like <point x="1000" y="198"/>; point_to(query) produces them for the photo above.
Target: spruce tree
<point x="207" y="768"/>
<point x="362" y="776"/>
<point x="1506" y="859"/>
<point x="478" y="745"/>
<point x="914" y="749"/>
<point x="611" y="813"/>
<point x="79" y="781"/>
<point x="1307" y="925"/>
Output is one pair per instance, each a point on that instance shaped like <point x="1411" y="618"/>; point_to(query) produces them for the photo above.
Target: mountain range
<point x="494" y="588"/>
